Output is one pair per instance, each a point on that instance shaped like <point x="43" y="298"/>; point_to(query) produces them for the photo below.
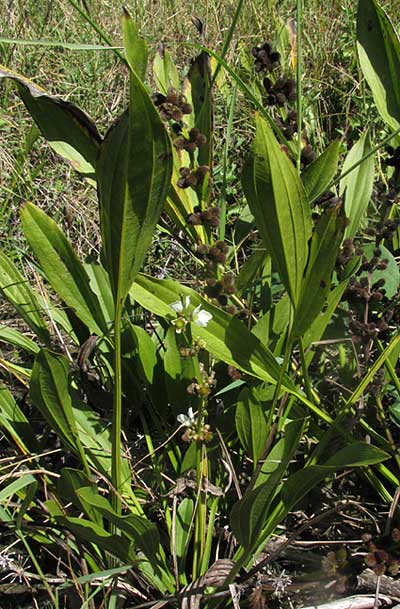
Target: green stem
<point x="299" y="18"/>
<point x="117" y="412"/>
<point x="199" y="533"/>
<point x="307" y="383"/>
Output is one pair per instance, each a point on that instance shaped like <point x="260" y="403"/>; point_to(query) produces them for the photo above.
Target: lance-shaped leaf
<point x="324" y="248"/>
<point x="134" y="172"/>
<point x="357" y="454"/>
<point x="70" y="481"/>
<point x="184" y="515"/>
<point x="164" y="71"/>
<point x="12" y="336"/>
<point x="357" y="185"/>
<point x="251" y="424"/>
<point x="86" y="530"/>
<point x="15" y="424"/>
<point x="68" y="130"/>
<point x="78" y="426"/>
<point x="278" y="200"/>
<point x="137" y="528"/>
<point x="225" y="336"/>
<point x="248" y="516"/>
<point x="379" y="52"/>
<point x="62" y="267"/>
<point x="49" y="392"/>
<point x="135" y="46"/>
<point x="200" y="81"/>
<point x="317" y="176"/>
<point x="16" y="289"/>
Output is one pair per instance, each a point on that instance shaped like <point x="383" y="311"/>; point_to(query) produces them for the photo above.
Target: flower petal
<point x="202" y="318"/>
<point x="183" y="419"/>
<point x="177" y="306"/>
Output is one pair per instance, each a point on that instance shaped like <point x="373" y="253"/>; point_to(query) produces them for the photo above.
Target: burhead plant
<point x="189" y="421"/>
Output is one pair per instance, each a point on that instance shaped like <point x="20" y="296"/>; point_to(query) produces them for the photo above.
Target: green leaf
<point x="86" y="530"/>
<point x="251" y="424"/>
<point x="15" y="424"/>
<point x="324" y="249"/>
<point x="145" y="355"/>
<point x="68" y="130"/>
<point x="137" y="528"/>
<point x="249" y="515"/>
<point x="79" y="427"/>
<point x="135" y="46"/>
<point x="390" y="274"/>
<point x="164" y="71"/>
<point x="142" y="368"/>
<point x="24" y="507"/>
<point x="49" y="392"/>
<point x="103" y="575"/>
<point x="16" y="338"/>
<point x="184" y="515"/>
<point x="250" y="270"/>
<point x="100" y="284"/>
<point x="316" y="330"/>
<point x="16" y="486"/>
<point x="317" y="176"/>
<point x="16" y="289"/>
<point x="225" y="336"/>
<point x="379" y="54"/>
<point x="357" y="454"/>
<point x="200" y="80"/>
<point x="394" y="412"/>
<point x="134" y="172"/>
<point x="279" y="203"/>
<point x="95" y="436"/>
<point x="68" y="485"/>
<point x="62" y="267"/>
<point x="357" y="185"/>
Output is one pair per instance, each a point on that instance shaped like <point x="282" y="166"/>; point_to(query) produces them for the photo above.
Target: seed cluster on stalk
<point x="280" y="91"/>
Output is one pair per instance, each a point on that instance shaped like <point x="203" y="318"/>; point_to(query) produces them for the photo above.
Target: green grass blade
<point x="70" y="46"/>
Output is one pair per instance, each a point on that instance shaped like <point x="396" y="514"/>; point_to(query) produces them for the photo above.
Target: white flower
<point x="201" y="317"/>
<point x="180" y="306"/>
<point x="186" y="419"/>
